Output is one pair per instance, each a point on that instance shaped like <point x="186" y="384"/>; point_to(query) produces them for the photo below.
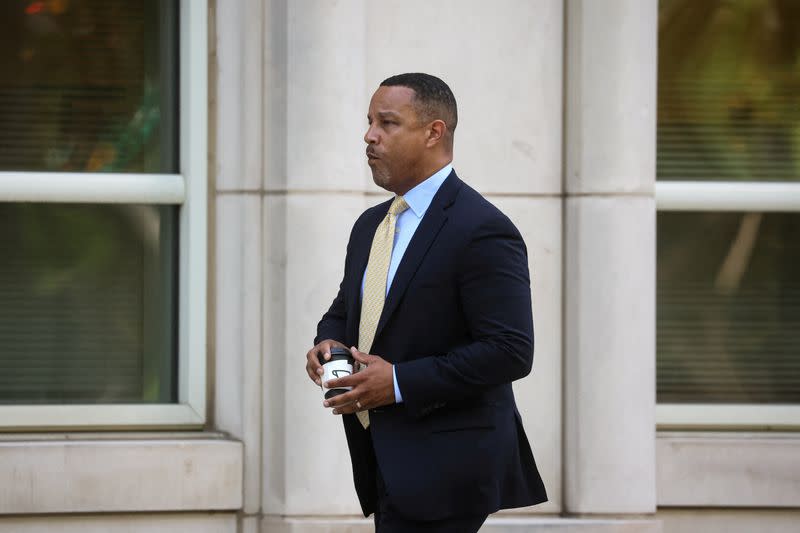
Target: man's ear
<point x="436" y="132"/>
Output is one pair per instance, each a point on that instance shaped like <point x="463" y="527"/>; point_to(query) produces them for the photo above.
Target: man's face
<point x="396" y="140"/>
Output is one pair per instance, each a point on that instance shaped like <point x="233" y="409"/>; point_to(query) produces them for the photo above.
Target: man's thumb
<point x="359" y="356"/>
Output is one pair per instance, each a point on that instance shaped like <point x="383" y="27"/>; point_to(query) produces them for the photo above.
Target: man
<point x="435" y="306"/>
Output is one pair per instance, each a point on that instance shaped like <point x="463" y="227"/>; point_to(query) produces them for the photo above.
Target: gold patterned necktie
<point x="380" y="255"/>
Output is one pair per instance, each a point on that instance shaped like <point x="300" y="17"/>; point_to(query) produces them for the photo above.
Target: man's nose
<point x="370" y="137"/>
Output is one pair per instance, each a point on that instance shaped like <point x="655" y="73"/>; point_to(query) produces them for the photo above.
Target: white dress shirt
<point x="418" y="199"/>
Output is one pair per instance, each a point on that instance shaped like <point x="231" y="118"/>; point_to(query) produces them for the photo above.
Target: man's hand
<point x="313" y="367"/>
<point x="373" y="386"/>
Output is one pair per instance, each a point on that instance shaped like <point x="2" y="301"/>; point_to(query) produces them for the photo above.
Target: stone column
<point x="237" y="172"/>
<point x="609" y="327"/>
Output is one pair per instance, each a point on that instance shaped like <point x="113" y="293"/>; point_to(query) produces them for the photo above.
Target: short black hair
<point x="433" y="99"/>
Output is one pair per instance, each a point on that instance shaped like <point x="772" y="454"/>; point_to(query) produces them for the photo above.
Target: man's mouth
<point x="371" y="155"/>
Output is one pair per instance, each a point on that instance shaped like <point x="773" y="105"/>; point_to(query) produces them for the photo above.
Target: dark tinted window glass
<point x="728" y="316"/>
<point x="87" y="303"/>
<point x="88" y="85"/>
<point x="729" y="90"/>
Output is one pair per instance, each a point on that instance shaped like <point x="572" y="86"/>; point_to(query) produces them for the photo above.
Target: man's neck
<point x="429" y="171"/>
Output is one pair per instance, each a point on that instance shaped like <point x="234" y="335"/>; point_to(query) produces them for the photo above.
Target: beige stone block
<point x="84" y="476"/>
<point x="728" y="469"/>
<point x="729" y="520"/>
<point x="326" y="104"/>
<point x="503" y="61"/>
<point x="239" y="96"/>
<point x="609" y="333"/>
<point x="610" y="107"/>
<point x="237" y="315"/>
<point x="274" y="354"/>
<point x="275" y="89"/>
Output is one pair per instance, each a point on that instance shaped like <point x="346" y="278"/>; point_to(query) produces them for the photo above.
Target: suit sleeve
<point x="494" y="290"/>
<point x="334" y="321"/>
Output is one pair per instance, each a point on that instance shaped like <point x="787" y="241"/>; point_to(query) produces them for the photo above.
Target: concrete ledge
<point x="728" y="469"/>
<point x="493" y="525"/>
<point x="160" y="523"/>
<point x="85" y="476"/>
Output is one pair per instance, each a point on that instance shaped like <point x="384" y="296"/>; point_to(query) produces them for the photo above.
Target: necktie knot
<point x="398" y="206"/>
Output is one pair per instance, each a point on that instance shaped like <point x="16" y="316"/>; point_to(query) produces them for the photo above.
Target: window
<point x="728" y="194"/>
<point x="102" y="213"/>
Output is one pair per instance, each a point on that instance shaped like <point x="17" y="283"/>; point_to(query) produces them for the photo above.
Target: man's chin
<point x="380" y="179"/>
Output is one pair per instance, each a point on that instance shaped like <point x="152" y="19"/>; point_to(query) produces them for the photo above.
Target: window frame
<point x="187" y="189"/>
<point x="711" y="196"/>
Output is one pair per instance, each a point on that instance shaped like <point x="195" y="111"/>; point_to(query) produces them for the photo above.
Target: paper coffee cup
<point x="338" y="366"/>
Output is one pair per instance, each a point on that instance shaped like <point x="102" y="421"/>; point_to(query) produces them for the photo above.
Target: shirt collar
<point x="420" y="197"/>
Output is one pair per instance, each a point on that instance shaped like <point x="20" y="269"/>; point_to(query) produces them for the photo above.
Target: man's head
<point x="412" y="118"/>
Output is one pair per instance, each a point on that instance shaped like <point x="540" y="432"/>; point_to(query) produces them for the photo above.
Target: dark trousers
<point x="388" y="521"/>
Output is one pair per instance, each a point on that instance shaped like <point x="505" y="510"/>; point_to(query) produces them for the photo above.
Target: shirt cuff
<point x="398" y="398"/>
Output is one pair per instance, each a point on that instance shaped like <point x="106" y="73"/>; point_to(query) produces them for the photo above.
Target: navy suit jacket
<point x="457" y="325"/>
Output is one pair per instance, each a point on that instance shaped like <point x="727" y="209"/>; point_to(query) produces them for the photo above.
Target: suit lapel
<point x="429" y="227"/>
